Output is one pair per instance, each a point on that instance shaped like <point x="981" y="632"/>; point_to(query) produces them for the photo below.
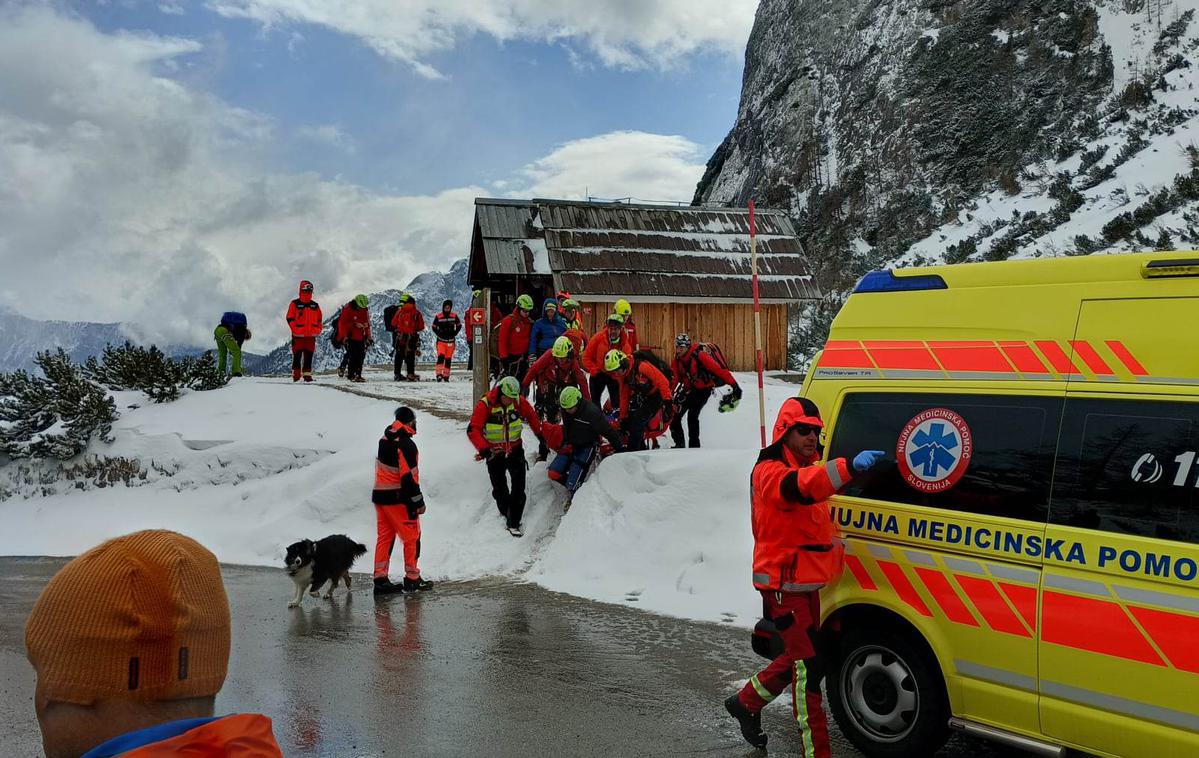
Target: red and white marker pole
<point x="753" y="254"/>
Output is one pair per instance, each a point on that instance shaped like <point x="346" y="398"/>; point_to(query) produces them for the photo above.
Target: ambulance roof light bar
<point x="887" y="281"/>
<point x="1168" y="268"/>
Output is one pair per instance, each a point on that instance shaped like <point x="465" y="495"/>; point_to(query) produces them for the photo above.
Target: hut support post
<point x="480" y="337"/>
<point x="753" y="254"/>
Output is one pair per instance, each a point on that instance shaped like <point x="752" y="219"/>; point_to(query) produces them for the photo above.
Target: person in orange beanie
<point x="130" y="645"/>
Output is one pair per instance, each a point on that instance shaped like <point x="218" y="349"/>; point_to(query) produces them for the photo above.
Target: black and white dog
<point x="311" y="564"/>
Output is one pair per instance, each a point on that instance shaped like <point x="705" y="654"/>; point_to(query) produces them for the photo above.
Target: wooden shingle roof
<point x="642" y="252"/>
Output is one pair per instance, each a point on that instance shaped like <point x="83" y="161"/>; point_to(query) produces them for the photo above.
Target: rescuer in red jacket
<point x="644" y="392"/>
<point x="407" y="323"/>
<point x="399" y="504"/>
<point x="515" y="331"/>
<point x="697" y="373"/>
<point x="305" y="321"/>
<point x="796" y="552"/>
<point x="354" y="331"/>
<point x="495" y="430"/>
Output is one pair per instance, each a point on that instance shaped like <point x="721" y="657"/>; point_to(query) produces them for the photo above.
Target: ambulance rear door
<point x="1119" y="598"/>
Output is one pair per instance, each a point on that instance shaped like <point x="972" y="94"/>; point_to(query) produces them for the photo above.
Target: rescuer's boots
<point x="416" y="585"/>
<point x="751" y="723"/>
<point x="384" y="586"/>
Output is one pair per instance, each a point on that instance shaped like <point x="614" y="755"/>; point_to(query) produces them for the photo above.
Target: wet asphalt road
<point x="473" y="668"/>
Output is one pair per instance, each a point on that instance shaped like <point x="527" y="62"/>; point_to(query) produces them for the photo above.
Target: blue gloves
<point x="866" y="459"/>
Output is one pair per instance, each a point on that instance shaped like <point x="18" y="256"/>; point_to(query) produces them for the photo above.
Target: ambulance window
<point x="988" y="454"/>
<point x="1129" y="466"/>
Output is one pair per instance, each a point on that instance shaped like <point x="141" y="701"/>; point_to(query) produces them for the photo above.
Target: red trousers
<point x="797" y="616"/>
<point x="393" y="520"/>
<point x="445" y="356"/>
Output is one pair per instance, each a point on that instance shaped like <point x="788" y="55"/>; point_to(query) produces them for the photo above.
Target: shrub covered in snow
<point x="149" y="370"/>
<point x="54" y="415"/>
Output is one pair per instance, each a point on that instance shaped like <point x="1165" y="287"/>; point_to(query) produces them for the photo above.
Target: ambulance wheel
<point x="887" y="694"/>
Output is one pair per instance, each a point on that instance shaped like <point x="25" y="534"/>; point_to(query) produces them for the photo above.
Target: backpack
<point x="714" y="352"/>
<point x="233" y="318"/>
<point x="388" y="314"/>
<point x="333" y="330"/>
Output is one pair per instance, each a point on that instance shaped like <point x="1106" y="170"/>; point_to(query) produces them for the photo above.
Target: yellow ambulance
<point x="1025" y="566"/>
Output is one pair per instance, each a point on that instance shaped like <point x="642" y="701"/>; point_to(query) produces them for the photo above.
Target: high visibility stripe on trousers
<point x="763" y="693"/>
<point x="809" y="714"/>
<point x="799" y="694"/>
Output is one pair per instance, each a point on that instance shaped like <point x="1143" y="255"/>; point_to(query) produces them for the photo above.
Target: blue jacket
<point x="545" y="331"/>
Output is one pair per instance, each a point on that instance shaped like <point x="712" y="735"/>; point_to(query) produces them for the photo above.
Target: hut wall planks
<point x="729" y="325"/>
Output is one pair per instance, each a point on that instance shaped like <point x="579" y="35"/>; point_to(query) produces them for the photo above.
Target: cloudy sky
<point x="166" y="160"/>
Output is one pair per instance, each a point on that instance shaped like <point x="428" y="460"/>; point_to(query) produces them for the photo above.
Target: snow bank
<point x="264" y="462"/>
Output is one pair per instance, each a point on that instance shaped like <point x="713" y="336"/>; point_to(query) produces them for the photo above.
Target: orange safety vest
<point x="389" y="477"/>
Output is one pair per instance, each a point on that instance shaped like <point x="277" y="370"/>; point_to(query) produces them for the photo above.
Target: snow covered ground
<point x="255" y="466"/>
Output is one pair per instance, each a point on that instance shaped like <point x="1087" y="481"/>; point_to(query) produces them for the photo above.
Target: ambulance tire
<point x="887" y="694"/>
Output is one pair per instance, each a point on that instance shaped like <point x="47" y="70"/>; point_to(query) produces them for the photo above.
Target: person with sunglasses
<point x="796" y="552"/>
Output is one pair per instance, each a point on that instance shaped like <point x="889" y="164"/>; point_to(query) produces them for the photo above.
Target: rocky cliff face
<point x="919" y="131"/>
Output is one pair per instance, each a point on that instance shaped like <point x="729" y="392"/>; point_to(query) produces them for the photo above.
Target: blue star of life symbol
<point x="932" y="450"/>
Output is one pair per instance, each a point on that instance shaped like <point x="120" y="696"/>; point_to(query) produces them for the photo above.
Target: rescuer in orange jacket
<point x="398" y="504"/>
<point x="495" y="430"/>
<point x="796" y="552"/>
<point x="305" y="321"/>
<point x="612" y="337"/>
<point x="644" y="392"/>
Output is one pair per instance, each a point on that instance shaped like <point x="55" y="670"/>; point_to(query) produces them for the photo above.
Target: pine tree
<point x="149" y="370"/>
<point x="55" y="415"/>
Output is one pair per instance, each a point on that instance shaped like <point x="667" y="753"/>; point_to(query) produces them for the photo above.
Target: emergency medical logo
<point x="934" y="450"/>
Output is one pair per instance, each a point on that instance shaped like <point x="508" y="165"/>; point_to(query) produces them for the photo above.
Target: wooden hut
<point x="683" y="269"/>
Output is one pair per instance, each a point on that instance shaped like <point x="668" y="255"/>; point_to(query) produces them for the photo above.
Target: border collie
<point x="311" y="564"/>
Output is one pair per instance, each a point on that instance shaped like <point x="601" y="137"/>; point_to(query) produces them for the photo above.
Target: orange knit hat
<point x="141" y="617"/>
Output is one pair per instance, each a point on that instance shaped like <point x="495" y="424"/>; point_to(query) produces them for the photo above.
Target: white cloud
<point x="628" y="34"/>
<point x="655" y="167"/>
<point x="130" y="197"/>
<point x="328" y="134"/>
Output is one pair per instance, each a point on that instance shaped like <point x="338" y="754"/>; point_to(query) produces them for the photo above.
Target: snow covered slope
<point x="910" y="132"/>
<point x="429" y="289"/>
<point x="250" y="468"/>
